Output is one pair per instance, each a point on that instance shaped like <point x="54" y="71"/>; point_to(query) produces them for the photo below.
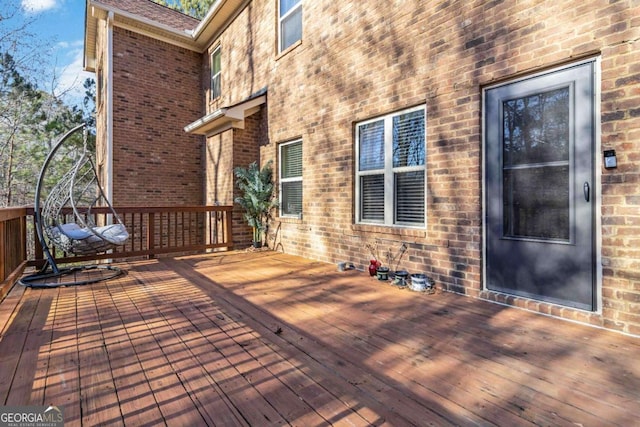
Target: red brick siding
<point x="357" y="61"/>
<point x="246" y="149"/>
<point x="219" y="166"/>
<point x="156" y="90"/>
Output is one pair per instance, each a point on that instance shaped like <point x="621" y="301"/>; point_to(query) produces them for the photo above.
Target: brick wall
<point x="225" y="152"/>
<point x="246" y="149"/>
<point x="219" y="167"/>
<point x="357" y="61"/>
<point x="156" y="89"/>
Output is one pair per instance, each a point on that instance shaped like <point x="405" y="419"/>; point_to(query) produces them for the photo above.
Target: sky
<point x="61" y="22"/>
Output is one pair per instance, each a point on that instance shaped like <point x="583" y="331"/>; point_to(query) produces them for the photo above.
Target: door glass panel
<point x="536" y="141"/>
<point x="536" y="203"/>
<point x="536" y="128"/>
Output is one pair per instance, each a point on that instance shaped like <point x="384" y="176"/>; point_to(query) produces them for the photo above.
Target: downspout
<point x="108" y="185"/>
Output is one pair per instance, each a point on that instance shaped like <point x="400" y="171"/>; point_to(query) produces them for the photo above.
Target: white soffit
<point x="226" y="118"/>
<point x="90" y="36"/>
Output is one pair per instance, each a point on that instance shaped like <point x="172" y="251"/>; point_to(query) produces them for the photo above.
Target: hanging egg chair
<point x="66" y="220"/>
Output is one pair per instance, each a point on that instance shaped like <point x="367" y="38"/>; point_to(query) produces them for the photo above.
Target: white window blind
<point x="409" y="190"/>
<point x="390" y="184"/>
<point x="291" y="178"/>
<point x="372" y="199"/>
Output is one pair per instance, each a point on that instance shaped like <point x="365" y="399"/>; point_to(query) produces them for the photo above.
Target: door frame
<point x="597" y="172"/>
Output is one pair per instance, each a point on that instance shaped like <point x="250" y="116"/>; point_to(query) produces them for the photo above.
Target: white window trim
<point x="282" y="18"/>
<point x="285" y="180"/>
<point x="213" y="76"/>
<point x="389" y="170"/>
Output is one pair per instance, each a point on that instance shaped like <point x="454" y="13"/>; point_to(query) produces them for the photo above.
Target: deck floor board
<point x="264" y="338"/>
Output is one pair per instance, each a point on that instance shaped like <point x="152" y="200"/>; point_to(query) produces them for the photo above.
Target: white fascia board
<point x="218" y="17"/>
<point x="213" y="10"/>
<point x="204" y="121"/>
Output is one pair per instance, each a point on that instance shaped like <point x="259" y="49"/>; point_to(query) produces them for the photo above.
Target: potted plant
<point x="399" y="276"/>
<point x="256" y="197"/>
<point x="382" y="273"/>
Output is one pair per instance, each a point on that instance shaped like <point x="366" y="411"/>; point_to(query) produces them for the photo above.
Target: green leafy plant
<point x="256" y="188"/>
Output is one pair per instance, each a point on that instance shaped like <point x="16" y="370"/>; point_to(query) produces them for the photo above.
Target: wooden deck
<point x="267" y="339"/>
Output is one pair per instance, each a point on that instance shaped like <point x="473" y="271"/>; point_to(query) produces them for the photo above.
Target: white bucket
<point x="420" y="283"/>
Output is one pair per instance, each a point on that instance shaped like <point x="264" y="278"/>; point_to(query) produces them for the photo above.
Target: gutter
<point x="109" y="108"/>
<point x="215" y="8"/>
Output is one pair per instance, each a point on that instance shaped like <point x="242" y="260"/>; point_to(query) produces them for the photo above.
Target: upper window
<point x="390" y="181"/>
<point x="291" y="178"/>
<point x="290" y="23"/>
<point x="215" y="74"/>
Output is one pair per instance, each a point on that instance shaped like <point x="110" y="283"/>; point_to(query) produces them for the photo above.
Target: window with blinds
<point x="390" y="182"/>
<point x="291" y="178"/>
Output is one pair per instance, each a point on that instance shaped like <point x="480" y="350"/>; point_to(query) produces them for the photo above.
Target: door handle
<point x="586" y="190"/>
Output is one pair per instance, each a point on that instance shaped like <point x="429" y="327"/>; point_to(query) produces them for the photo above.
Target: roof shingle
<point x="155" y="12"/>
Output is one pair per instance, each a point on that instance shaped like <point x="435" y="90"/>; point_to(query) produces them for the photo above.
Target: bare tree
<point x="31" y="119"/>
<point x="18" y="37"/>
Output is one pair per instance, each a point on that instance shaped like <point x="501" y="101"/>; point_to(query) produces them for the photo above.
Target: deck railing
<point x="13" y="246"/>
<point x="153" y="231"/>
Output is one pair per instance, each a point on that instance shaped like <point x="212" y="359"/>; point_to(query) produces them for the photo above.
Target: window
<point x="291" y="178"/>
<point x="290" y="23"/>
<point x="390" y="181"/>
<point x="215" y="74"/>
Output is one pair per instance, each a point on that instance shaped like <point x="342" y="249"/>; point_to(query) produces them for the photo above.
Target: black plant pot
<point x="257" y="245"/>
<point x="400" y="278"/>
<point x="383" y="273"/>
